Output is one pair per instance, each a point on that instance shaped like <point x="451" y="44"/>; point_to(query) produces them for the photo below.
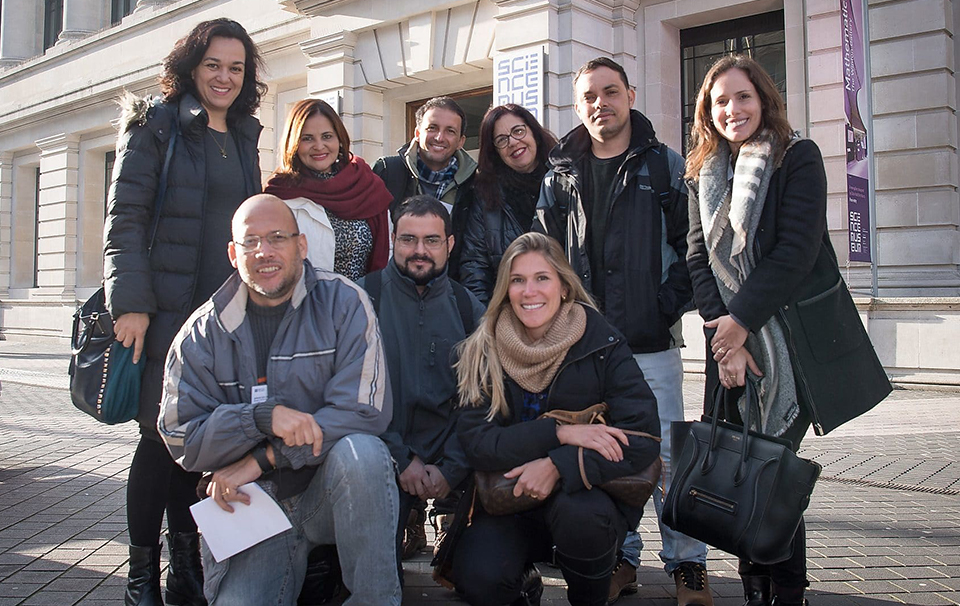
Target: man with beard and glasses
<point x="279" y="379"/>
<point x="423" y="315"/>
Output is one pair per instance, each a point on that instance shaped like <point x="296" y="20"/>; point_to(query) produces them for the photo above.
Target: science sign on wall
<point x="518" y="78"/>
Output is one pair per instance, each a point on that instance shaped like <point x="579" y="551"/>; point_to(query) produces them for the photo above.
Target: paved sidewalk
<point x="883" y="525"/>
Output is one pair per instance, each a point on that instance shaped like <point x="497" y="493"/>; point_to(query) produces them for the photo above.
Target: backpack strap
<point x="659" y="172"/>
<point x="373" y="283"/>
<point x="464" y="306"/>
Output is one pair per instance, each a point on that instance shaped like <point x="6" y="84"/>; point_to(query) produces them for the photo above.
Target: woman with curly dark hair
<point x="210" y="89"/>
<point x="340" y="204"/>
<point x="513" y="160"/>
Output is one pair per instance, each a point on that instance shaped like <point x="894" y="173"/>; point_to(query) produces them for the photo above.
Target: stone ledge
<point x="871" y="304"/>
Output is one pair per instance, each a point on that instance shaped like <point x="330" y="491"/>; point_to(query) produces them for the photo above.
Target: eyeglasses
<point x="430" y="242"/>
<point x="277" y="239"/>
<point x="517" y="132"/>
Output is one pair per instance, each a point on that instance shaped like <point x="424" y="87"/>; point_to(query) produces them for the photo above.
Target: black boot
<point x="185" y="575"/>
<point x="789" y="596"/>
<point x="531" y="587"/>
<point x="756" y="590"/>
<point x="143" y="581"/>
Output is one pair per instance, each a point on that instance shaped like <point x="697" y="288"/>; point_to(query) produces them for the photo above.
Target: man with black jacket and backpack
<point x="615" y="200"/>
<point x="434" y="164"/>
<point x="423" y="315"/>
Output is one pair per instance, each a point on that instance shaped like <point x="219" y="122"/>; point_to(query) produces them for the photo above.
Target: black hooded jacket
<point x="647" y="286"/>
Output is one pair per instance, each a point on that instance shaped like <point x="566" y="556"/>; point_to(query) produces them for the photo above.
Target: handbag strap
<point x="722" y="395"/>
<point x="162" y="185"/>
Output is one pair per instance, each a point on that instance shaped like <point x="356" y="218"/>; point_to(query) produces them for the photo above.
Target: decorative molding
<point x="58" y="143"/>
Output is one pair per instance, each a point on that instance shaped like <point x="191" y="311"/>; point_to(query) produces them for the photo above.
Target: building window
<point x="52" y="22"/>
<point x="110" y="159"/>
<point x="120" y="9"/>
<point x="474" y="104"/>
<point x="759" y="36"/>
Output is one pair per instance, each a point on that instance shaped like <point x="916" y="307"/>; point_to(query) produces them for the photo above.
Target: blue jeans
<point x="351" y="501"/>
<point x="663" y="371"/>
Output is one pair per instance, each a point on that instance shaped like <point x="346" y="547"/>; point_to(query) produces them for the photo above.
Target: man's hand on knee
<point x="225" y="484"/>
<point x="296" y="428"/>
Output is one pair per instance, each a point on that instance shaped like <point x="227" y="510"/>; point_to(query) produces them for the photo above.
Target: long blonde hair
<point x="704" y="138"/>
<point x="479" y="373"/>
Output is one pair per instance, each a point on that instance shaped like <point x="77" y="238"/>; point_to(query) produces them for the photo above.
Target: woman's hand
<point x="601" y="438"/>
<point x="537" y="478"/>
<point x="733" y="368"/>
<point x="729" y="337"/>
<point x="131" y="328"/>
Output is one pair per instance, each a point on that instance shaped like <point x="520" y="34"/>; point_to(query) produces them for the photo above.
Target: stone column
<point x="331" y="72"/>
<point x="80" y="19"/>
<point x="19" y="32"/>
<point x="57" y="220"/>
<point x="6" y="216"/>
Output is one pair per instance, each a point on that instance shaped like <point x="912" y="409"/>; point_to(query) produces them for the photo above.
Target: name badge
<point x="258" y="393"/>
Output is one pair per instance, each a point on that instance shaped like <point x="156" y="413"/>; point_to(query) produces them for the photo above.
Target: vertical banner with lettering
<point x="518" y="78"/>
<point x="855" y="83"/>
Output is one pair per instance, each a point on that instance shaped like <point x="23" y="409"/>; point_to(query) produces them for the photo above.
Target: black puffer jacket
<point x="647" y="286"/>
<point x="162" y="284"/>
<point x="598" y="368"/>
<point x="488" y="233"/>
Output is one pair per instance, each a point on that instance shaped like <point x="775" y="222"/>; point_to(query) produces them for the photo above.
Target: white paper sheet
<point x="228" y="533"/>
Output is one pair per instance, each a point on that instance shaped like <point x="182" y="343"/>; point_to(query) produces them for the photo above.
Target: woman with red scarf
<point x="340" y="204"/>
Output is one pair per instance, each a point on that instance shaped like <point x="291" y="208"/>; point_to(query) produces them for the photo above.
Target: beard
<point x="281" y="290"/>
<point x="421" y="278"/>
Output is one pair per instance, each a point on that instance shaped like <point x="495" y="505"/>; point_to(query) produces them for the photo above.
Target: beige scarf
<point x="533" y="364"/>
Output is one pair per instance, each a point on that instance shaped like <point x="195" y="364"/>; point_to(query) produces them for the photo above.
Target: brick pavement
<point x="883" y="525"/>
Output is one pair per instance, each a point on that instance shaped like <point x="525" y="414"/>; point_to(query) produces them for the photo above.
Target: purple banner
<point x="855" y="107"/>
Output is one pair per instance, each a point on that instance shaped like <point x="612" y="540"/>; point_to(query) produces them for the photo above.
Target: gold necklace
<point x="222" y="148"/>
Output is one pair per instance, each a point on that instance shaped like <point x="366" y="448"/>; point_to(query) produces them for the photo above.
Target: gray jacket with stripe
<point x="327" y="359"/>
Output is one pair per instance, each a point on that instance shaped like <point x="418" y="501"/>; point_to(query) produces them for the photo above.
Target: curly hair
<point x="290" y="164"/>
<point x="188" y="52"/>
<point x="704" y="138"/>
<point x="491" y="165"/>
<point x="479" y="372"/>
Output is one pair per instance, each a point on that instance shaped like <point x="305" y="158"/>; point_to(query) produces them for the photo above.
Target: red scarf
<point x="354" y="193"/>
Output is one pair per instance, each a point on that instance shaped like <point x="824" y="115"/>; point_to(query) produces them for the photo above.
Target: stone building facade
<point x="376" y="60"/>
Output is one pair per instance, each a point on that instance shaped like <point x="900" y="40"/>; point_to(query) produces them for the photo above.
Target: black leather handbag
<point x="104" y="381"/>
<point x="741" y="491"/>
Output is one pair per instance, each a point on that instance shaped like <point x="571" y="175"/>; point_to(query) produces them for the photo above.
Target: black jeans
<point x="581" y="531"/>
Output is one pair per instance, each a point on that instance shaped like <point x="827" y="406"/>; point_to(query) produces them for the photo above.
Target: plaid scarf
<point x="440" y="180"/>
<point x="730" y="211"/>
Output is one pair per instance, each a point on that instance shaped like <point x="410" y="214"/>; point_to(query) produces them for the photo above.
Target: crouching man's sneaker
<point x="623" y="580"/>
<point x="692" y="586"/>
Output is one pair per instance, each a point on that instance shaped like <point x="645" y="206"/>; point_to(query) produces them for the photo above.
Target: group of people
<point x="370" y="336"/>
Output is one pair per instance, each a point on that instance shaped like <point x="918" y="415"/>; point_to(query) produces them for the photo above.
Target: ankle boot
<point x="185" y="575"/>
<point x="756" y="590"/>
<point x="143" y="581"/>
<point x="789" y="596"/>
